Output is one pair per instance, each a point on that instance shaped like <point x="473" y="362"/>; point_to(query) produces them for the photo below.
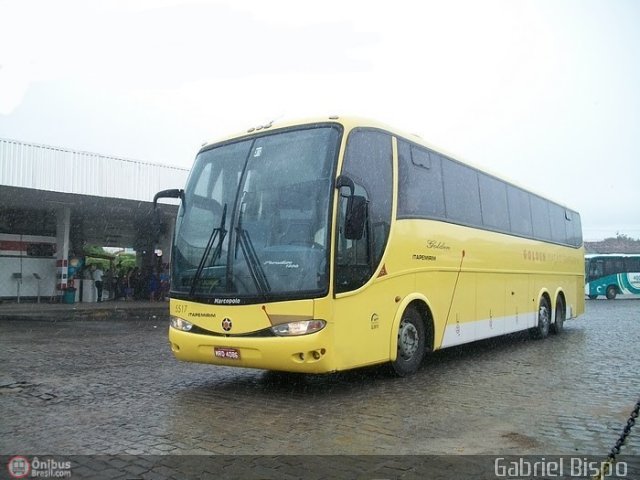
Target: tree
<point x="95" y="255"/>
<point x="125" y="261"/>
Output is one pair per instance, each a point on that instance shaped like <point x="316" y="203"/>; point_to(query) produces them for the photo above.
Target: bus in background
<point x="337" y="243"/>
<point x="612" y="275"/>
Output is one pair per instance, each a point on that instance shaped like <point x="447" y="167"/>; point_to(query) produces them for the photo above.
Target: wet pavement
<point x="109" y="385"/>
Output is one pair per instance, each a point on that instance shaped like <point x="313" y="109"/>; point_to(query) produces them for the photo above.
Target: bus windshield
<point x="254" y="224"/>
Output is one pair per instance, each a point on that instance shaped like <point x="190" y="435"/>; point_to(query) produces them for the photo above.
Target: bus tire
<point x="412" y="343"/>
<point x="593" y="297"/>
<point x="612" y="291"/>
<point x="544" y="320"/>
<point x="561" y="315"/>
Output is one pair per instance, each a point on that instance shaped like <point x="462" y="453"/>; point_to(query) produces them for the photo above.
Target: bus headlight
<point x="298" y="328"/>
<point x="180" y="324"/>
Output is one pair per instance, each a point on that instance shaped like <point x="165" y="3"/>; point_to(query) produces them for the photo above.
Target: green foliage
<point x="94" y="250"/>
<point x="95" y="255"/>
<point x="100" y="262"/>
<point x="120" y="262"/>
<point x="125" y="261"/>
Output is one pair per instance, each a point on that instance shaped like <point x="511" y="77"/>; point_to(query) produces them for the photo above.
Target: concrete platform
<point x="107" y="310"/>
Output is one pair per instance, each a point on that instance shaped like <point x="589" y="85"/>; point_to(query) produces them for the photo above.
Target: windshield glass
<point x="254" y="221"/>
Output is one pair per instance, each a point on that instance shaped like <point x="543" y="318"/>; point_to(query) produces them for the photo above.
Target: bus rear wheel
<point x="544" y="320"/>
<point x="561" y="316"/>
<point x="611" y="292"/>
<point x="411" y="343"/>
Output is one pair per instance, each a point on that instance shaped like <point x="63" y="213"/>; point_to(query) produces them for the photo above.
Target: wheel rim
<point x="408" y="340"/>
<point x="543" y="318"/>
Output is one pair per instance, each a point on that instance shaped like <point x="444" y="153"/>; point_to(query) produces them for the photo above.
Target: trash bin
<point x="69" y="295"/>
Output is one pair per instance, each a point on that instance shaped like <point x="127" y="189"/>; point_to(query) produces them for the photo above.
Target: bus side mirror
<point x="343" y="182"/>
<point x="356" y="217"/>
<point x="357" y="208"/>
<point x="172" y="193"/>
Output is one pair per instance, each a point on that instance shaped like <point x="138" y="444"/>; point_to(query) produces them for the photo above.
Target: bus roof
<point x="349" y="122"/>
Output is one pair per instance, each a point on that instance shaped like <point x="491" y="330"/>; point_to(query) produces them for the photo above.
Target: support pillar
<point x="63" y="226"/>
<point x="164" y="241"/>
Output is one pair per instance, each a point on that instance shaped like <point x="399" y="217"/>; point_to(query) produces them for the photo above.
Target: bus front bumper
<point x="305" y="353"/>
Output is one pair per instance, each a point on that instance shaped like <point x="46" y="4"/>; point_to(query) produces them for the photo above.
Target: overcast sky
<point x="543" y="93"/>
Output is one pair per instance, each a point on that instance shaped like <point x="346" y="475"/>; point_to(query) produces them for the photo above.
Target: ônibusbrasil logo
<point x="21" y="467"/>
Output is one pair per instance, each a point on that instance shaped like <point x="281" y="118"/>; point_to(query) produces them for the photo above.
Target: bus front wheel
<point x="611" y="292"/>
<point x="544" y="320"/>
<point x="411" y="343"/>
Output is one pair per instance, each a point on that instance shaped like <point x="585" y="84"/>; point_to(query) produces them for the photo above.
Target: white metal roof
<point x="43" y="167"/>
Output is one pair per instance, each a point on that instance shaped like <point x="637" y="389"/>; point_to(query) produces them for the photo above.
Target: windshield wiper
<point x="251" y="257"/>
<point x="219" y="233"/>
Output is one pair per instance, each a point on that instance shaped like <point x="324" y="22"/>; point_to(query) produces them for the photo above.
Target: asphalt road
<point x="101" y="387"/>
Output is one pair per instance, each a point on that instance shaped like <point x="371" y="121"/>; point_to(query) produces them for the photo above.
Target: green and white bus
<point x="611" y="275"/>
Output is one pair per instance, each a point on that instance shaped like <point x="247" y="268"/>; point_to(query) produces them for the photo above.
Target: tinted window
<point x="493" y="197"/>
<point x="570" y="227"/>
<point x="420" y="192"/>
<point x="519" y="211"/>
<point x="632" y="264"/>
<point x="461" y="195"/>
<point x="557" y="215"/>
<point x="576" y="227"/>
<point x="433" y="186"/>
<point x="613" y="265"/>
<point x="540" y="218"/>
<point x="596" y="269"/>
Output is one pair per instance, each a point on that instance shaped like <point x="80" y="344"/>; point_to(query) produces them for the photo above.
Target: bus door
<point x="365" y="306"/>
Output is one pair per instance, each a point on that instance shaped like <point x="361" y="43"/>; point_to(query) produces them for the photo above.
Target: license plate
<point x="227" y="353"/>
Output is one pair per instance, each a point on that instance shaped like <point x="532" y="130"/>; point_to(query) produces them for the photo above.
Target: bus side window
<point x="632" y="265"/>
<point x="613" y="265"/>
<point x="596" y="269"/>
<point x="420" y="189"/>
<point x="618" y="265"/>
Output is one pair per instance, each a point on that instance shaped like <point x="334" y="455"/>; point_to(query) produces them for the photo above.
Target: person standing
<point x="97" y="280"/>
<point x="107" y="281"/>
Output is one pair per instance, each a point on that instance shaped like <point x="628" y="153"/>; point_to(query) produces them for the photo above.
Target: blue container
<point x="69" y="296"/>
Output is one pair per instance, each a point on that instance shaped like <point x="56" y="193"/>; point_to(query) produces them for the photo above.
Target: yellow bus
<point x="335" y="243"/>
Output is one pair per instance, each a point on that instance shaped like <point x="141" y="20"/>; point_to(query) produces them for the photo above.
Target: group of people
<point x="131" y="284"/>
